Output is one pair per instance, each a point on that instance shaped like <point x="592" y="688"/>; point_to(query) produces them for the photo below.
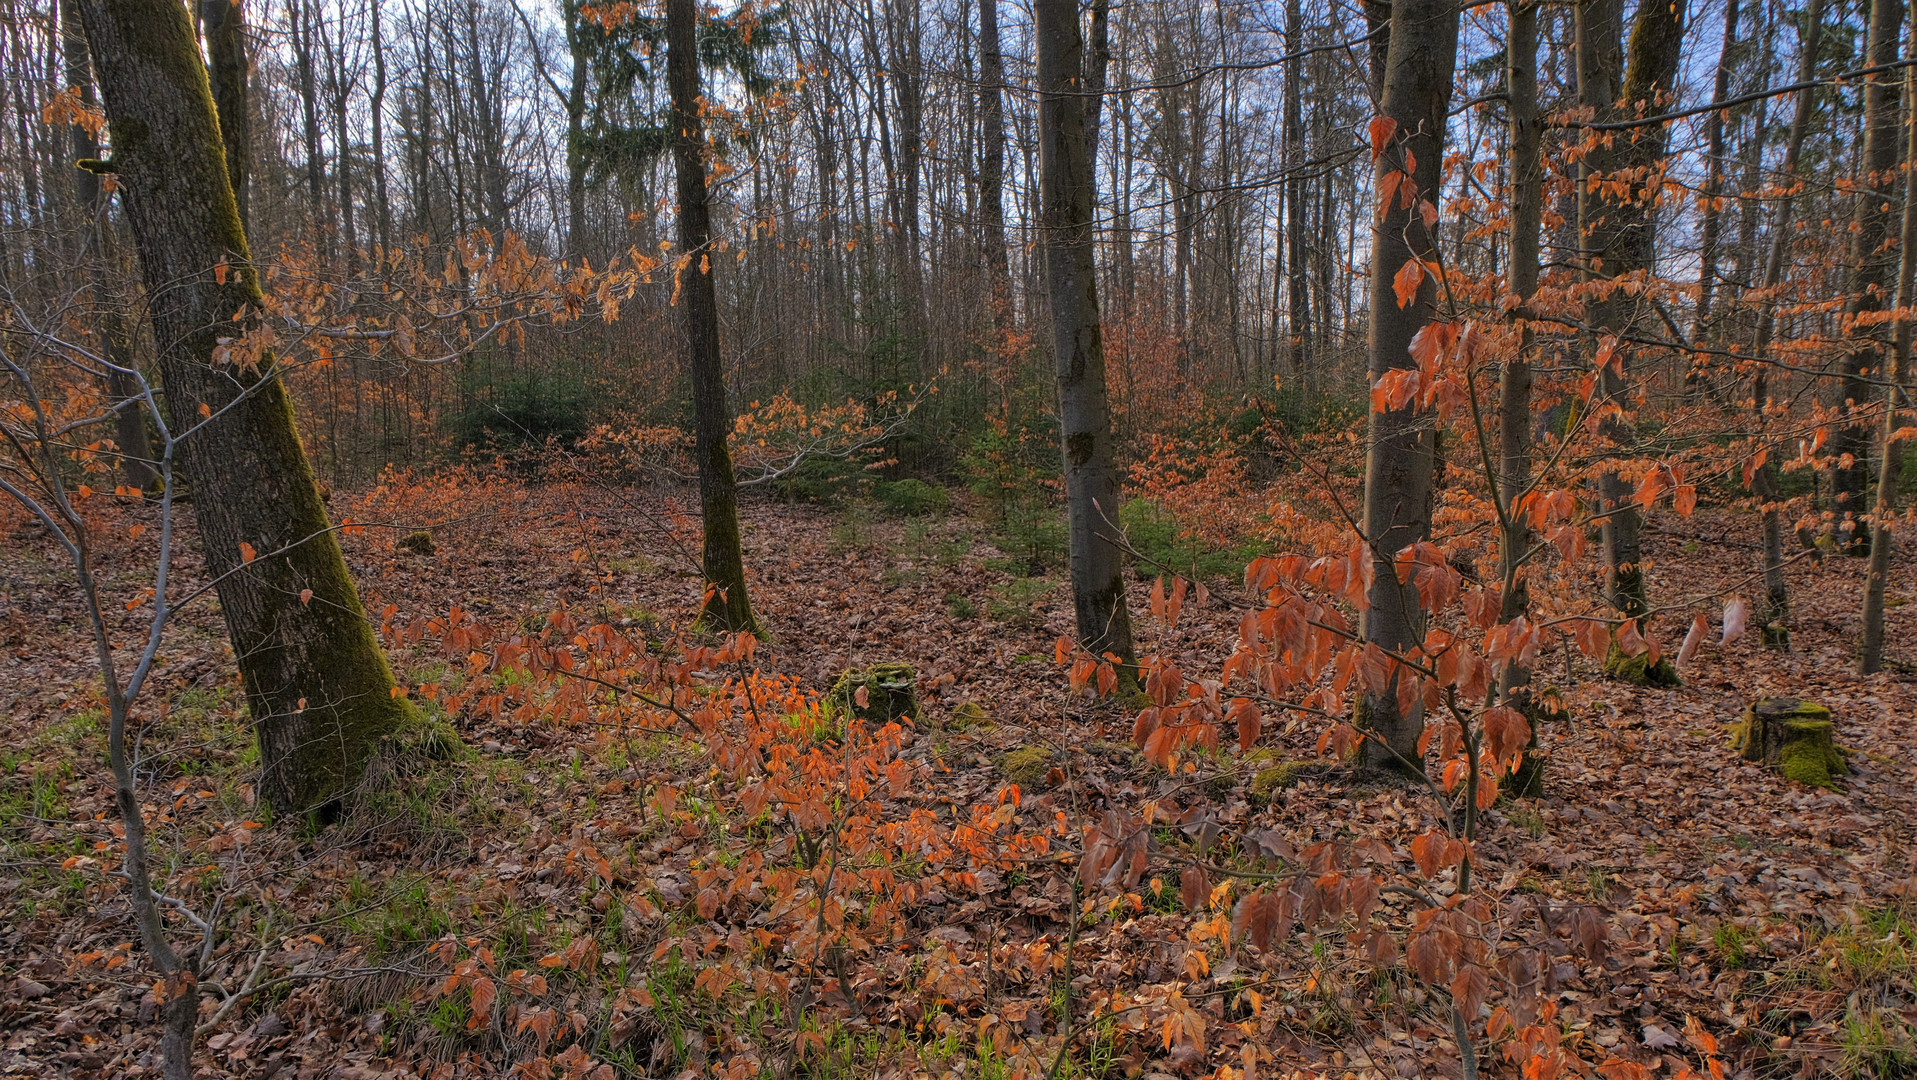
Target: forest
<point x="936" y="539"/>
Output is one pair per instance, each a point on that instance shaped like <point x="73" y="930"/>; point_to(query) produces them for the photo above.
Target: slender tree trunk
<point x="1066" y="231"/>
<point x="1618" y="234"/>
<point x="1873" y="266"/>
<point x="1702" y="329"/>
<point x="1514" y="382"/>
<point x="317" y="685"/>
<point x="576" y="238"/>
<point x="1870" y="649"/>
<point x="908" y="91"/>
<point x="1297" y="286"/>
<point x="727" y="606"/>
<point x="301" y="14"/>
<point x="991" y="167"/>
<point x="1775" y="614"/>
<point x="129" y="418"/>
<point x="1418" y="73"/>
<point x="383" y="208"/>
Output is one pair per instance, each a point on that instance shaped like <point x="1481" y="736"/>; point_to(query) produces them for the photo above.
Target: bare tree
<point x="1085" y="428"/>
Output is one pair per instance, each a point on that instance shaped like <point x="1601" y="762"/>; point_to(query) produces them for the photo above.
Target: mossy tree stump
<point x="891" y="694"/>
<point x="1793" y="737"/>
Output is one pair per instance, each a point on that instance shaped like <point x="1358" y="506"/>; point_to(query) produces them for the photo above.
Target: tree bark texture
<point x="1773" y="617"/>
<point x="723" y="558"/>
<point x="1514" y="381"/>
<point x="129" y="418"/>
<point x="1066" y="215"/>
<point x="1873" y="268"/>
<point x="223" y="23"/>
<point x="317" y="686"/>
<point x="1416" y="93"/>
<point x="1618" y="232"/>
<point x="991" y="165"/>
<point x="1870" y="646"/>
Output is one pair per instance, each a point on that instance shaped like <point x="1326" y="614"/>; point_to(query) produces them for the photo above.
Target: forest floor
<point x="1781" y="919"/>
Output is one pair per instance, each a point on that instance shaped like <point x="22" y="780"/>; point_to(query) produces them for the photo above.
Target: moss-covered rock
<point x="421" y="542"/>
<point x="1027" y="766"/>
<point x="1793" y="737"/>
<point x="891" y="694"/>
<point x="1639" y="671"/>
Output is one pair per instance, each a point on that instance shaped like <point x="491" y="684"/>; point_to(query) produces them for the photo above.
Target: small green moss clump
<point x="1027" y="766"/>
<point x="968" y="714"/>
<point x="421" y="542"/>
<point x="1270" y="781"/>
<point x="1639" y="671"/>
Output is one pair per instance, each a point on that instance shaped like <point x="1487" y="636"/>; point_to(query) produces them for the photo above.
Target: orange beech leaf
<point x="1381" y="129"/>
<point x="1469" y="989"/>
<point x="1629" y="641"/>
<point x="1685" y="500"/>
<point x="247" y="554"/>
<point x="1245" y="714"/>
<point x="1427" y="851"/>
<point x="1405" y="282"/>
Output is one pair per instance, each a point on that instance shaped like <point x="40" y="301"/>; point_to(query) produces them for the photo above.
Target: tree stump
<point x="1793" y="737"/>
<point x="890" y="694"/>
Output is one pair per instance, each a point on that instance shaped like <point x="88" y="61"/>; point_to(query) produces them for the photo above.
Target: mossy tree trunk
<point x="1401" y="449"/>
<point x="223" y="22"/>
<point x="317" y="686"/>
<point x="1066" y="215"/>
<point x="723" y="557"/>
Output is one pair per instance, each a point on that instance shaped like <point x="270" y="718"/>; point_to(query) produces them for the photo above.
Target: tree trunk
<point x="301" y="15"/>
<point x="1870" y="650"/>
<point x="1085" y="428"/>
<point x="129" y="418"/>
<point x="1297" y="286"/>
<point x="576" y="239"/>
<point x="317" y="685"/>
<point x="1418" y="74"/>
<point x="991" y="166"/>
<point x="383" y="208"/>
<point x="223" y="22"/>
<point x="1701" y="328"/>
<point x="727" y="606"/>
<point x="1619" y="234"/>
<point x="1773" y="617"/>
<point x="1514" y="382"/>
<point x="1873" y="266"/>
